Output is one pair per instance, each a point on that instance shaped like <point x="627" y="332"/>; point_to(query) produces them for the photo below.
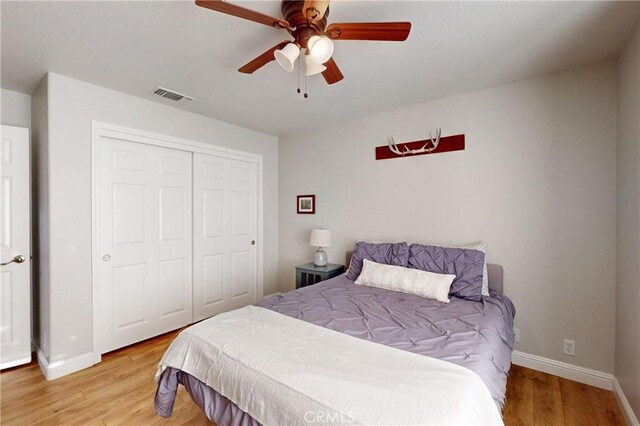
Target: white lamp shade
<point x="320" y="49"/>
<point x="312" y="68"/>
<point x="320" y="238"/>
<point x="287" y="56"/>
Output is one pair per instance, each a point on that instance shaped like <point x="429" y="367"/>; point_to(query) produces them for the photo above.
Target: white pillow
<point x="482" y="246"/>
<point x="411" y="281"/>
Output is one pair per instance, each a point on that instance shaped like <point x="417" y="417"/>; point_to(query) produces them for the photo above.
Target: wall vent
<point x="172" y="95"/>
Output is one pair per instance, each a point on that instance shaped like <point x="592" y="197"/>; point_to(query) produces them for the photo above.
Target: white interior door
<point x="224" y="234"/>
<point x="15" y="248"/>
<point x="144" y="228"/>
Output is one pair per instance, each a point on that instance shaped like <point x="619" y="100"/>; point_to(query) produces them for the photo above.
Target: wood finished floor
<point x="120" y="390"/>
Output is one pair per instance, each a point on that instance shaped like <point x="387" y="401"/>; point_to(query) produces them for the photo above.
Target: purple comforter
<point x="475" y="335"/>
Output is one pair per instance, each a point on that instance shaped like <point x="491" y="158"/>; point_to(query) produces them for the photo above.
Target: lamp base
<point x="320" y="258"/>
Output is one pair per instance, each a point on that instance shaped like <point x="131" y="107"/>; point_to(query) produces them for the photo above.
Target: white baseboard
<point x="58" y="369"/>
<point x="562" y="369"/>
<point x="629" y="415"/>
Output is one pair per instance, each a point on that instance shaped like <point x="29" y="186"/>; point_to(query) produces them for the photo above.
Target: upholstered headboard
<point x="495" y="272"/>
<point x="496" y="277"/>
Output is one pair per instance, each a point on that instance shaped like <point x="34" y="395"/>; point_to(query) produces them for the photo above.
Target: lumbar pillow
<point x="411" y="281"/>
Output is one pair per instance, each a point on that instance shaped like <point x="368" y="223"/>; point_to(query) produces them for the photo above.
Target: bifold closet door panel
<point x="224" y="234"/>
<point x="145" y="237"/>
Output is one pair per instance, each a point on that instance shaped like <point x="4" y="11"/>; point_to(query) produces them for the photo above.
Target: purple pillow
<point x="385" y="253"/>
<point x="466" y="264"/>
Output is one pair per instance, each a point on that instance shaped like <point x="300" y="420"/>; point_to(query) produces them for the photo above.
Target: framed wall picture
<point x="306" y="204"/>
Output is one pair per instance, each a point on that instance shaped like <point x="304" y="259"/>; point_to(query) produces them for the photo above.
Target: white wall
<point x="72" y="106"/>
<point x="537" y="181"/>
<point x="627" y="346"/>
<point x="15" y="108"/>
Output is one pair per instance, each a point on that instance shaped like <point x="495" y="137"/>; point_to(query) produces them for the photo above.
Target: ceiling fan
<point x="306" y="22"/>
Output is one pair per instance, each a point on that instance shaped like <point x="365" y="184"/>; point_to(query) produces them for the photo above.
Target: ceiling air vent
<point x="174" y="96"/>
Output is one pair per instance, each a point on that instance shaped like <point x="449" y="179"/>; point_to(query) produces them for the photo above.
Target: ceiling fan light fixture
<point x="287" y="56"/>
<point x="306" y="22"/>
<point x="320" y="49"/>
<point x="311" y="67"/>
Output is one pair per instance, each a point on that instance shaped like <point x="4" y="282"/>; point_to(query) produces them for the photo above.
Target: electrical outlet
<point x="516" y="331"/>
<point x="569" y="347"/>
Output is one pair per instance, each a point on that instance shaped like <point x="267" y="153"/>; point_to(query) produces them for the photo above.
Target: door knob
<point x="253" y="242"/>
<point x="18" y="259"/>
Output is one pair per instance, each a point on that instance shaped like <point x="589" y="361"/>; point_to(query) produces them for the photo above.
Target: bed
<point x="475" y="335"/>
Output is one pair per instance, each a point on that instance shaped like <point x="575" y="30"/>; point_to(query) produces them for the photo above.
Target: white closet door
<point x="144" y="228"/>
<point x="15" y="244"/>
<point x="224" y="234"/>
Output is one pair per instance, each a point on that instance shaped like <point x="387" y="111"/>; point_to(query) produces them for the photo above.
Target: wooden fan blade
<point x="332" y="74"/>
<point x="381" y="31"/>
<point x="262" y="60"/>
<point x="241" y="12"/>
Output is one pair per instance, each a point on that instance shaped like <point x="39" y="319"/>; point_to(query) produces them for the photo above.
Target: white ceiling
<point x="454" y="47"/>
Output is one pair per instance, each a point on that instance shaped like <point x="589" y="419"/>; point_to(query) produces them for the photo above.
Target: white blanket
<point x="284" y="371"/>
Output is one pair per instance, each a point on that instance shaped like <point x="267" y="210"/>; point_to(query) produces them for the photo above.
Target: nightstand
<point x="309" y="274"/>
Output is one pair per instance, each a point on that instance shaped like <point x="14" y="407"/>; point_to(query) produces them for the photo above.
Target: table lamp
<point x="320" y="238"/>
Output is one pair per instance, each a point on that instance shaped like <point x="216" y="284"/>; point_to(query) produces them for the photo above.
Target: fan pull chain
<point x="299" y="71"/>
<point x="305" y="86"/>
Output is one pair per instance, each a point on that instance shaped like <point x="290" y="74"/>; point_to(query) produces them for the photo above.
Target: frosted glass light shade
<point x="312" y="68"/>
<point x="287" y="56"/>
<point x="320" y="49"/>
<point x="320" y="238"/>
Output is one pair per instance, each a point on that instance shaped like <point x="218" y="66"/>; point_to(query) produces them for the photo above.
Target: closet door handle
<point x="18" y="259"/>
<point x="253" y="242"/>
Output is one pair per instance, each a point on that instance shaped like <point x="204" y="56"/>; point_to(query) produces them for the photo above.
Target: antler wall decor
<point x="434" y="145"/>
<point x="422" y="147"/>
